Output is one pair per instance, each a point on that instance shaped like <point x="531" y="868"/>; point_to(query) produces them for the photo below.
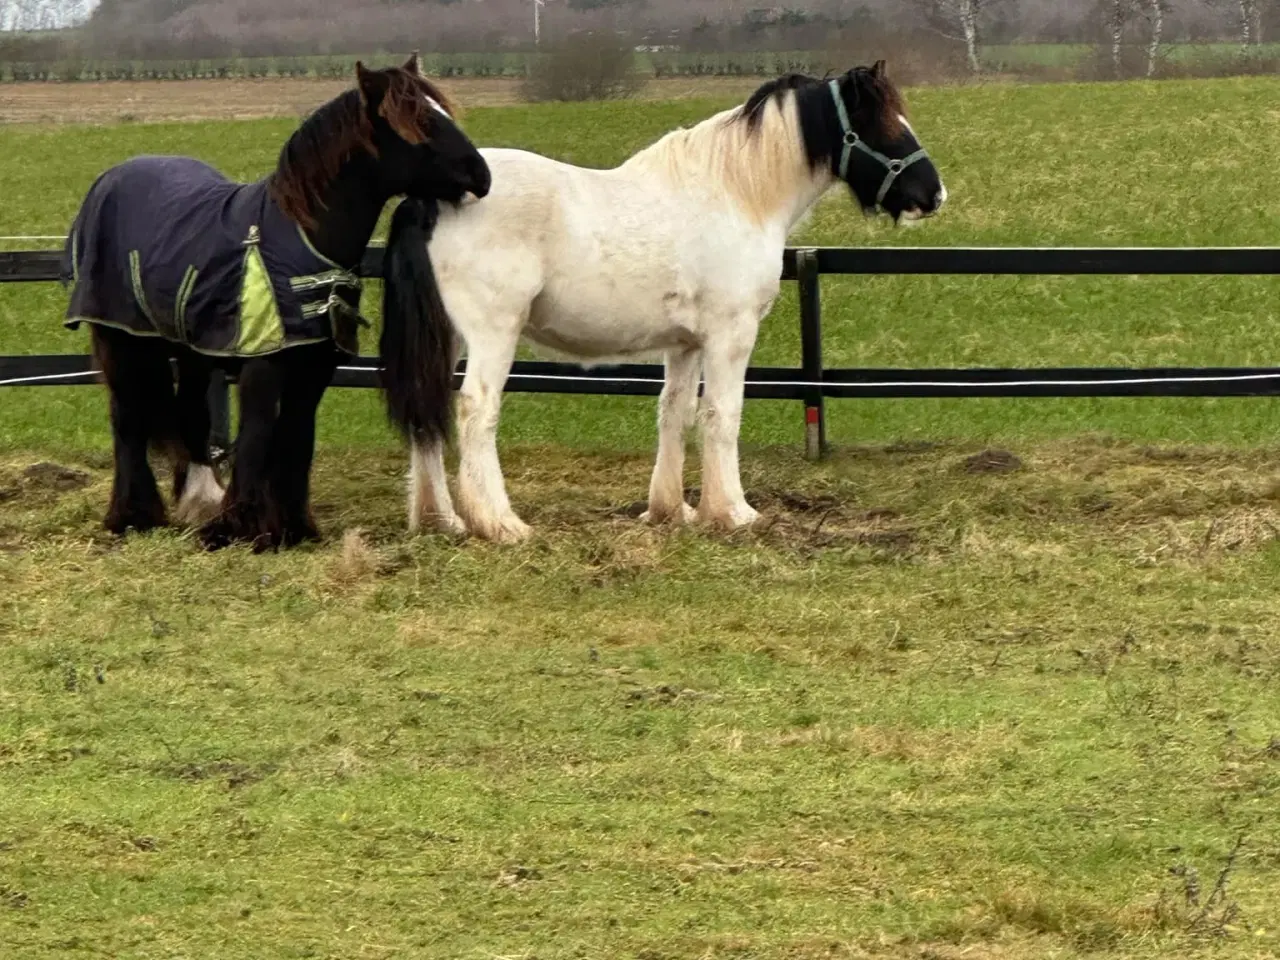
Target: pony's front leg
<point x="482" y="495"/>
<point x="725" y="367"/>
<point x="676" y="408"/>
<point x="137" y="375"/>
<point x="430" y="506"/>
<point x="306" y="373"/>
<point x="196" y="489"/>
<point x="251" y="511"/>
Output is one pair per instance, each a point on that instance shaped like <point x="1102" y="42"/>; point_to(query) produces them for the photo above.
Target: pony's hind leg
<point x="676" y="408"/>
<point x="482" y="495"/>
<point x="305" y="375"/>
<point x="430" y="506"/>
<point x="137" y="374"/>
<point x="723" y="503"/>
<point x="251" y="512"/>
<point x="196" y="489"/>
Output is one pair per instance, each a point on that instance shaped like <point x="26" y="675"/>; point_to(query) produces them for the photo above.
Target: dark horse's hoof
<point x="295" y="534"/>
<point x="240" y="523"/>
<point x="118" y="521"/>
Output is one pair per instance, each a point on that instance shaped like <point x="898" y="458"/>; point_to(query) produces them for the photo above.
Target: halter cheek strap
<point x="852" y="141"/>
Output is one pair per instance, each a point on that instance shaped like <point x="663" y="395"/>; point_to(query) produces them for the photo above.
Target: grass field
<point x="942" y="705"/>
<point x="1016" y="55"/>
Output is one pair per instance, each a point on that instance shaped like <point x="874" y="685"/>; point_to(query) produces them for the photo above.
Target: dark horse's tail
<point x="417" y="344"/>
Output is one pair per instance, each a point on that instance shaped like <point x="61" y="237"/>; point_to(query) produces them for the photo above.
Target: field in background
<point x="146" y="101"/>
<point x="1060" y="165"/>
<point x="658" y="64"/>
<point x="1029" y="58"/>
<point x="945" y="704"/>
<point x="1017" y="55"/>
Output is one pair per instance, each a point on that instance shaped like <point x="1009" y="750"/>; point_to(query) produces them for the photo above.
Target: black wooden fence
<point x="811" y="382"/>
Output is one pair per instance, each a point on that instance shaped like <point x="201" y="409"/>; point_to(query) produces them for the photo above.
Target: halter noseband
<point x="852" y="140"/>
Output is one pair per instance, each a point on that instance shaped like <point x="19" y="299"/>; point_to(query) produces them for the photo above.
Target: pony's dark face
<point x="421" y="152"/>
<point x="884" y="164"/>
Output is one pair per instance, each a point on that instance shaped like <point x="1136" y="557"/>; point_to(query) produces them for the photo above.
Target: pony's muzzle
<point x="480" y="179"/>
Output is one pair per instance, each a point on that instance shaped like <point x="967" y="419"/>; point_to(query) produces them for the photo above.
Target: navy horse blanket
<point x="169" y="247"/>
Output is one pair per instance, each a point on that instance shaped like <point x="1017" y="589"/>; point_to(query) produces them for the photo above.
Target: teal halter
<point x="852" y="140"/>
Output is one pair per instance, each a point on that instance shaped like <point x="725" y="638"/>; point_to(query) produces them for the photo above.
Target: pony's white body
<point x="678" y="251"/>
<point x="603" y="261"/>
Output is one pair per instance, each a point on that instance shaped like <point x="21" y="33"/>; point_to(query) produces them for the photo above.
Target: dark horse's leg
<point x="137" y="373"/>
<point x="251" y="511"/>
<point x="306" y="373"/>
<point x="196" y="490"/>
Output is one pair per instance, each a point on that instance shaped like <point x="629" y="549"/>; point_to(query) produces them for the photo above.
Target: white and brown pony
<point x="677" y="251"/>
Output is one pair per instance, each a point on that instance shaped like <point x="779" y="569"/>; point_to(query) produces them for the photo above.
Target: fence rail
<point x="811" y="382"/>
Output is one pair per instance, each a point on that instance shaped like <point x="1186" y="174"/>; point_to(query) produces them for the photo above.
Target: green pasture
<point x="947" y="702"/>
<point x="1015" y="56"/>
<point x="1173" y="163"/>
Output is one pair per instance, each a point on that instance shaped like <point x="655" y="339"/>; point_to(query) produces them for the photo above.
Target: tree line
<point x="1128" y="37"/>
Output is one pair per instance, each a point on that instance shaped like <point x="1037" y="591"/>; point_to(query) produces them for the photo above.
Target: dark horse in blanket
<point x="169" y="260"/>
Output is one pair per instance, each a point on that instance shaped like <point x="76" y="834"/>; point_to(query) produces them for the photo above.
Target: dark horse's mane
<point x="875" y="97"/>
<point x="316" y="151"/>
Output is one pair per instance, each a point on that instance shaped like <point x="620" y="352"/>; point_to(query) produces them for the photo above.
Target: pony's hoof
<point x="300" y="533"/>
<point x="239" y="525"/>
<point x="120" y="521"/>
<point x="266" y="541"/>
<point x="511" y="530"/>
<point x="201" y="498"/>
<point x="735" y="518"/>
<point x="685" y="515"/>
<point x="216" y="534"/>
<point x="449" y="524"/>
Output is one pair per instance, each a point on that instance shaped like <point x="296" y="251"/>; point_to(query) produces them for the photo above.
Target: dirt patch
<point x="664" y="695"/>
<point x="14" y="899"/>
<point x="149" y="101"/>
<point x="53" y="476"/>
<point x="912" y="447"/>
<point x="793" y="502"/>
<point x="992" y="461"/>
<point x="804" y="522"/>
<point x="235" y="775"/>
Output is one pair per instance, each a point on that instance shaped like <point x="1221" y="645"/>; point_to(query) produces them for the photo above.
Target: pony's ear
<point x="411" y="65"/>
<point x="373" y="85"/>
<point x="849" y="86"/>
<point x="879" y="70"/>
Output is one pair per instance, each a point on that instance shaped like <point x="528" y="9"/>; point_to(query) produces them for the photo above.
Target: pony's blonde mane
<point x="758" y="165"/>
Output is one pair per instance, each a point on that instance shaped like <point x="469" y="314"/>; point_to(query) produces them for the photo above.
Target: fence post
<point x="815" y="420"/>
<point x="219" y="416"/>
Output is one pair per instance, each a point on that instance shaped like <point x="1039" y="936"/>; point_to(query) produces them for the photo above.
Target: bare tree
<point x="21" y="15"/>
<point x="956" y="20"/>
<point x="1248" y="18"/>
<point x="1250" y="24"/>
<point x="1156" y="10"/>
<point x="1116" y="14"/>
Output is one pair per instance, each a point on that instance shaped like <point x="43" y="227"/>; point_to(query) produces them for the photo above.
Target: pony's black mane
<point x="313" y="155"/>
<point x="875" y="98"/>
<point x="753" y="110"/>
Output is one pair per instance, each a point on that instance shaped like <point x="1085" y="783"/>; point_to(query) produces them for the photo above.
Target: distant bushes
<point x="604" y="65"/>
<point x="912" y="58"/>
<point x="594" y="66"/>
